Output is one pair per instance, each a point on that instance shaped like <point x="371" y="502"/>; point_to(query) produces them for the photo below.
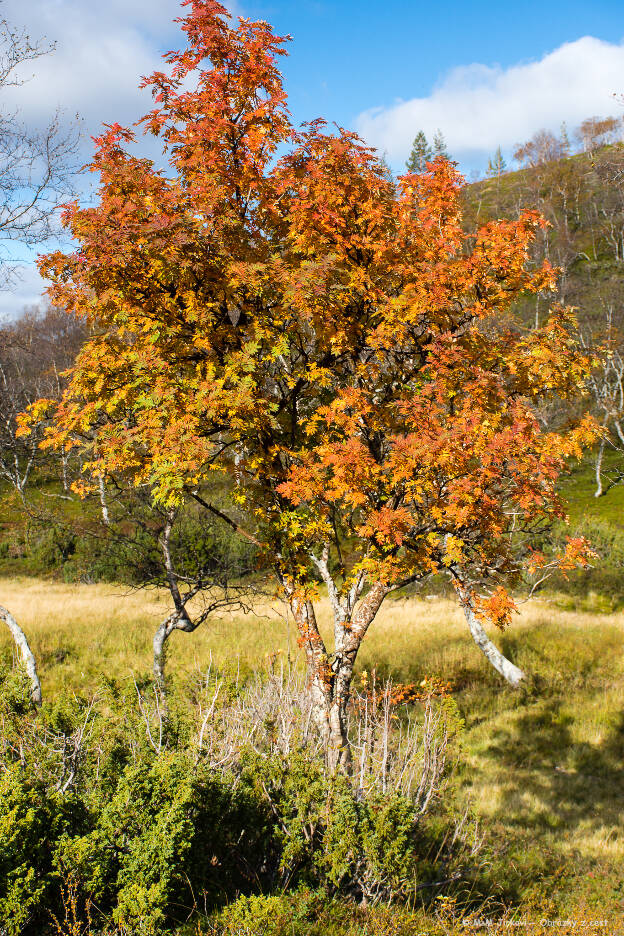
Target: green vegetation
<point x="533" y="780"/>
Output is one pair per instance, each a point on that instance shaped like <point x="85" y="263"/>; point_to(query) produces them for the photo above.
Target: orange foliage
<point x="327" y="337"/>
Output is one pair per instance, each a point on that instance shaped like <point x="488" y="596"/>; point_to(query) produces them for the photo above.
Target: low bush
<point x="114" y="816"/>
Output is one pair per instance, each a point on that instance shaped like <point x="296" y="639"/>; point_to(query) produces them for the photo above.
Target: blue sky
<point x="484" y="73"/>
<point x="347" y="57"/>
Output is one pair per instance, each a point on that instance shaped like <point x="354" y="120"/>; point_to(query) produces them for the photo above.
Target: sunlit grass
<point x="543" y="766"/>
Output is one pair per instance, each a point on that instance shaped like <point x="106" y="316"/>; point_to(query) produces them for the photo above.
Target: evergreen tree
<point x="565" y="140"/>
<point x="420" y="155"/>
<point x="497" y="164"/>
<point x="439" y="145"/>
<point x="386" y="168"/>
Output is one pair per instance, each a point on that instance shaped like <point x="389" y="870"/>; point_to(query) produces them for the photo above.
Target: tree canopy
<point x="276" y="308"/>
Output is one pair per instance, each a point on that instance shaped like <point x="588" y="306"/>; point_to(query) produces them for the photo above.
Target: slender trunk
<point x="25" y="653"/>
<point x="165" y="628"/>
<point x="103" y="503"/>
<point x="501" y="664"/>
<point x="64" y="469"/>
<point x="163" y="631"/>
<point x="599" y="491"/>
<point x="330" y="681"/>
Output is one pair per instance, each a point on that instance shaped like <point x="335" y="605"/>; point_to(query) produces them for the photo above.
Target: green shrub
<point x="145" y="834"/>
<point x="33" y="821"/>
<point x="272" y="914"/>
<point x="173" y="832"/>
<point x="333" y="835"/>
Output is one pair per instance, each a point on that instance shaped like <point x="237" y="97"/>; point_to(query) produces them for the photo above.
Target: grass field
<point x="542" y="768"/>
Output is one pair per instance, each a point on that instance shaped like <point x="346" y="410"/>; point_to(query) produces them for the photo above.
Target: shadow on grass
<point x="558" y="781"/>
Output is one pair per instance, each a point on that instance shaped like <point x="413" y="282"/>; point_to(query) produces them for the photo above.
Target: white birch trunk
<point x="501" y="664"/>
<point x="175" y="621"/>
<point x="103" y="503"/>
<point x="161" y="636"/>
<point x="26" y="654"/>
<point x="599" y="492"/>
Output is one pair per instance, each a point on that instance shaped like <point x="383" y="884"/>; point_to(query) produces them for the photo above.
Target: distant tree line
<point x="543" y="147"/>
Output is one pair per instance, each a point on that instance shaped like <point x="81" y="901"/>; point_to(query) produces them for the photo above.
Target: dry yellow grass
<point x="79" y="631"/>
<point x="546" y="763"/>
<point x="107" y="627"/>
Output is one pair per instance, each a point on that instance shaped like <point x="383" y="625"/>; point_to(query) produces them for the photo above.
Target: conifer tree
<point x="497" y="164"/>
<point x="420" y="155"/>
<point x="565" y="140"/>
<point x="439" y="145"/>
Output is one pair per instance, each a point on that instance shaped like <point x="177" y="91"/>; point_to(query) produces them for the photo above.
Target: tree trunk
<point x="501" y="664"/>
<point x="330" y="681"/>
<point x="25" y="653"/>
<point x="329" y="689"/>
<point x="599" y="491"/>
<point x="175" y="621"/>
<point x="161" y="636"/>
<point x="103" y="501"/>
<point x="338" y="746"/>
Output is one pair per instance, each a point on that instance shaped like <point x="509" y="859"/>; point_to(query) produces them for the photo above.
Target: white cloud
<point x="25" y="291"/>
<point x="101" y="52"/>
<point x="478" y="107"/>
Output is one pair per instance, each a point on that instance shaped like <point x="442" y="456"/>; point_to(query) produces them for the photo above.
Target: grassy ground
<point x="543" y="768"/>
<point x="579" y="487"/>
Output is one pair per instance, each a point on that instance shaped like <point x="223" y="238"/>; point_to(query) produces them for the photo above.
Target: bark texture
<point x="25" y="653"/>
<point x="331" y="675"/>
<point x="175" y="621"/>
<point x="508" y="670"/>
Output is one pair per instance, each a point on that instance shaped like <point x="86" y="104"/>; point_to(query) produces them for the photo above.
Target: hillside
<point x="581" y="196"/>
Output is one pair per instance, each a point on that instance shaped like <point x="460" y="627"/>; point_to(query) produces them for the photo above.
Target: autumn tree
<point x="327" y="339"/>
<point x="543" y="147"/>
<point x="595" y="132"/>
<point x="564" y="139"/>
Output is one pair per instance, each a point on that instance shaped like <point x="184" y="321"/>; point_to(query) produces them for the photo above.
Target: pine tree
<point x="497" y="164"/>
<point x="565" y="140"/>
<point x="439" y="145"/>
<point x="387" y="168"/>
<point x="421" y="154"/>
